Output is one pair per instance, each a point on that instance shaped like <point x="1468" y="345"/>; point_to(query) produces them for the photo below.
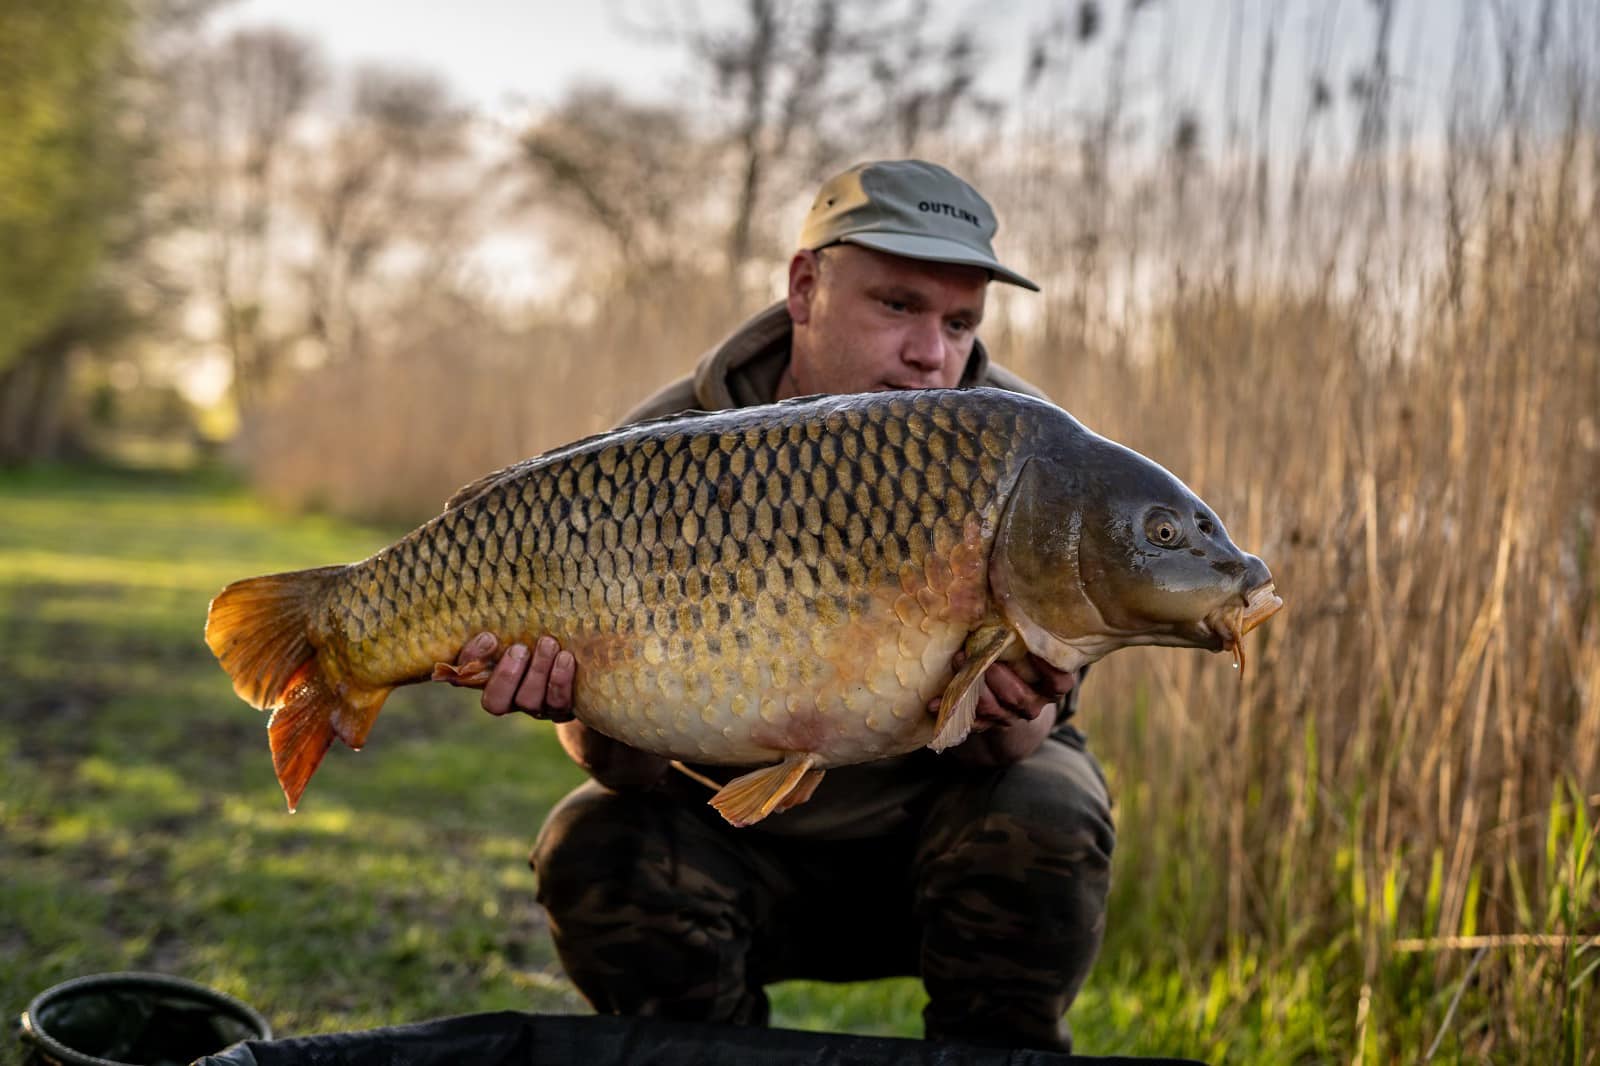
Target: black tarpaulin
<point x="515" y="1039"/>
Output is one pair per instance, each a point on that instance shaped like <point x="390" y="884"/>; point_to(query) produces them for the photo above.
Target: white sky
<point x="507" y="57"/>
<point x="498" y="55"/>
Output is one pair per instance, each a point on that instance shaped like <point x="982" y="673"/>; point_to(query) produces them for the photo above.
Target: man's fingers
<point x="1058" y="682"/>
<point x="537" y="681"/>
<point x="502" y="686"/>
<point x="546" y="689"/>
<point x="1017" y="698"/>
<point x="989" y="708"/>
<point x="530" y="694"/>
<point x="480" y="648"/>
<point x="558" y="693"/>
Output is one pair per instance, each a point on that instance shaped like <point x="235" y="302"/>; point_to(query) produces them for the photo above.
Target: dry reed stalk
<point x="1500" y="940"/>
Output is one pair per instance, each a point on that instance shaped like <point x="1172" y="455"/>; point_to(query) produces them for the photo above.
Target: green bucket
<point x="133" y="1019"/>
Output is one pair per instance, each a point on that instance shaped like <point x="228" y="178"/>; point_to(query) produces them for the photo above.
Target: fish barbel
<point x="783" y="586"/>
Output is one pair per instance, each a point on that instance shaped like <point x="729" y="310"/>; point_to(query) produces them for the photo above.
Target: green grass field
<point x="141" y="827"/>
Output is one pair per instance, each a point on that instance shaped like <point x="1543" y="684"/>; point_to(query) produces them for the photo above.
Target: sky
<point x="508" y="58"/>
<point x="499" y="55"/>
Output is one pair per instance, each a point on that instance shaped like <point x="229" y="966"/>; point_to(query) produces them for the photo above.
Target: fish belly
<point x="835" y="693"/>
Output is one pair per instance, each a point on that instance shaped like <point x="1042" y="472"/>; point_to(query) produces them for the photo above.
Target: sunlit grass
<point x="140" y="824"/>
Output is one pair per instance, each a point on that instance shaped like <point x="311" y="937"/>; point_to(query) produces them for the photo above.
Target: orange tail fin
<point x="259" y="630"/>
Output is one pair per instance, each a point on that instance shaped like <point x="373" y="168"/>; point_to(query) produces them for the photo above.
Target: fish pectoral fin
<point x="751" y="797"/>
<point x="958" y="707"/>
<point x="475" y="674"/>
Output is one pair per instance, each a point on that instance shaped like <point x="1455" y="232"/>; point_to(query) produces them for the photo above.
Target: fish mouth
<point x="1232" y="621"/>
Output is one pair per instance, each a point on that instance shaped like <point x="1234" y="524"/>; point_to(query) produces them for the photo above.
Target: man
<point x="983" y="870"/>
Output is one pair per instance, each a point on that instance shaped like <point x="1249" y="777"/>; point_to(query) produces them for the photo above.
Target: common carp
<point x="783" y="586"/>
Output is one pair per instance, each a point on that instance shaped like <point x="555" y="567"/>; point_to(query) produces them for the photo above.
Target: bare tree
<point x="633" y="171"/>
<point x="806" y="87"/>
<point x="248" y="94"/>
<point x="388" y="181"/>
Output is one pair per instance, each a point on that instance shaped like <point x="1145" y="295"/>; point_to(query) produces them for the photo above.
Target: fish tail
<point x="260" y="631"/>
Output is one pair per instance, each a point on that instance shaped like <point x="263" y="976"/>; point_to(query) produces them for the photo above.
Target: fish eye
<point x="1163" y="530"/>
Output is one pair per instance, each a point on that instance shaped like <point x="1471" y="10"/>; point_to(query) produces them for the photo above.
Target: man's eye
<point x="897" y="306"/>
<point x="960" y="326"/>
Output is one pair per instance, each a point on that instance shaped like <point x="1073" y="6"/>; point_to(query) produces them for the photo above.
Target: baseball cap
<point x="909" y="208"/>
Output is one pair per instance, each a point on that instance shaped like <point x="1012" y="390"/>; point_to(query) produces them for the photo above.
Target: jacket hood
<point x="744" y="368"/>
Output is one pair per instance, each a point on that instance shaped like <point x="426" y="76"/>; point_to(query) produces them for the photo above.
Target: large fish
<point x="784" y="586"/>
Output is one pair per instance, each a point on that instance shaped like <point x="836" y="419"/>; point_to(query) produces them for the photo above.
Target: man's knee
<point x="1052" y="807"/>
<point x="1013" y="872"/>
<point x="592" y="830"/>
<point x="601" y="850"/>
<point x="645" y="908"/>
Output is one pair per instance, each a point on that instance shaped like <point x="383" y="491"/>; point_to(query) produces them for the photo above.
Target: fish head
<point x="1110" y="550"/>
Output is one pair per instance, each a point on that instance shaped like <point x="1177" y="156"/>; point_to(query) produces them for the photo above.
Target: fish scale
<point x="786" y="584"/>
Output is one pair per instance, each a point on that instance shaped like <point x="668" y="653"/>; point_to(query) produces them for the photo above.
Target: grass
<point x="140" y="825"/>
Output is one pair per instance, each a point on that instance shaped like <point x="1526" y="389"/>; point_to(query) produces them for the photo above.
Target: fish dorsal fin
<point x="958" y="707"/>
<point x="476" y="488"/>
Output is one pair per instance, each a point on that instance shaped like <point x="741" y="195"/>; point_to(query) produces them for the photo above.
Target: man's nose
<point x="924" y="346"/>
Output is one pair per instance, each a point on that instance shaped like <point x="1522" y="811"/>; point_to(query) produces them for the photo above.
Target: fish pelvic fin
<point x="751" y="797"/>
<point x="958" y="707"/>
<point x="260" y="631"/>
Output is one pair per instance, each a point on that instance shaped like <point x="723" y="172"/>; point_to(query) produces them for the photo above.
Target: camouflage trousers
<point x="993" y="892"/>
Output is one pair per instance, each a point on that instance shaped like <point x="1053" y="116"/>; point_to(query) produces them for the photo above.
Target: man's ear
<point x="804" y="277"/>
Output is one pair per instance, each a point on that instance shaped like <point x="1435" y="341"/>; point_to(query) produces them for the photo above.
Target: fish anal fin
<point x="300" y="732"/>
<point x="475" y="674"/>
<point x="958" y="707"/>
<point x="750" y="797"/>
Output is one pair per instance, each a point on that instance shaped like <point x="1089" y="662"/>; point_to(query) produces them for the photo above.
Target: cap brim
<point x="936" y="250"/>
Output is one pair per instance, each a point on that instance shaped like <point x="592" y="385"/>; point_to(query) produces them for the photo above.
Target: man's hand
<point x="538" y="682"/>
<point x="1016" y="711"/>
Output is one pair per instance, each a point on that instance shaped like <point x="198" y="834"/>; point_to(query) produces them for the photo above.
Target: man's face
<point x="866" y="321"/>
